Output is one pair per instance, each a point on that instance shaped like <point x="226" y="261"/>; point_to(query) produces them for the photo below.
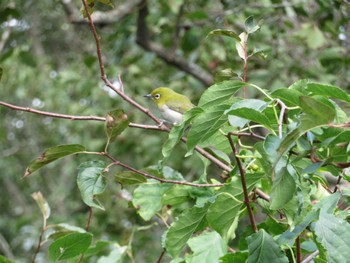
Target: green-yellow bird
<point x="171" y="104"/>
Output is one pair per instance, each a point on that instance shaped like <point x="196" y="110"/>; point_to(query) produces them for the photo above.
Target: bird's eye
<point x="157" y="96"/>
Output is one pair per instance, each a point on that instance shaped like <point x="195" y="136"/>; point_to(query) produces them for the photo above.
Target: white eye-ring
<point x="157" y="96"/>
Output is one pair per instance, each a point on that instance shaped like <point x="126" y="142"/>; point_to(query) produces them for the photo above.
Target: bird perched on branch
<point x="171" y="104"/>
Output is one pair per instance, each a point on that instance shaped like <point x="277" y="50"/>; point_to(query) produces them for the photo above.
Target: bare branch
<point x="310" y="257"/>
<point x="52" y="114"/>
<point x="116" y="162"/>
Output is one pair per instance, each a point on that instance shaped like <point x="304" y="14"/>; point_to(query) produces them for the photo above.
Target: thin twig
<point x="87" y="227"/>
<point x="39" y="245"/>
<point x="280" y="119"/>
<point x="244" y="184"/>
<point x="248" y="134"/>
<point x="52" y="114"/>
<point x="161" y="256"/>
<point x="310" y="257"/>
<point x="298" y="249"/>
<point x="116" y="162"/>
<point x="79" y="118"/>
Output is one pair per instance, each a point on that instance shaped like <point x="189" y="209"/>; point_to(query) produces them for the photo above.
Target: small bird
<point x="171" y="104"/>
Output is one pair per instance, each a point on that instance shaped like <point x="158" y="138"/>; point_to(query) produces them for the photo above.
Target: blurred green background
<point x="48" y="57"/>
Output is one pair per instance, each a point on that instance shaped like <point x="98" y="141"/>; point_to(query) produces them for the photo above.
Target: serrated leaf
<point x="289" y="96"/>
<point x="43" y="205"/>
<point x="317" y="112"/>
<point x="91" y="182"/>
<point x="222" y="213"/>
<point x="129" y="178"/>
<point x="147" y="198"/>
<point x="116" y="122"/>
<point x="178" y="130"/>
<point x="250" y="26"/>
<point x="242" y="45"/>
<point x="334" y="235"/>
<point x="250" y="115"/>
<point x="176" y="195"/>
<point x="53" y="154"/>
<point x="248" y="110"/>
<point x="208" y="247"/>
<point x="182" y="229"/>
<point x="264" y="249"/>
<point x="328" y="91"/>
<point x="69" y="246"/>
<point x="291" y="235"/>
<point x="225" y="208"/>
<point x="219" y="93"/>
<point x="224" y="32"/>
<point x="206" y="124"/>
<point x="283" y="187"/>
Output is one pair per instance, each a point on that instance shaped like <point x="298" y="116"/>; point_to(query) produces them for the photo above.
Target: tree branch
<point x="116" y="162"/>
<point x="142" y="39"/>
<point x="79" y="118"/>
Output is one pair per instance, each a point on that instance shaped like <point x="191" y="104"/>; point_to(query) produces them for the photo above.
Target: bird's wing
<point x="180" y="107"/>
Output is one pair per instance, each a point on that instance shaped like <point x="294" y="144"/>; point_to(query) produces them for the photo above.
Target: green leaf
<point x="250" y="26"/>
<point x="334" y="235"/>
<point x="176" y="195"/>
<point x="225" y="208"/>
<point x="264" y="249"/>
<point x="328" y="91"/>
<point x="1" y="72"/>
<point x="69" y="246"/>
<point x="248" y="110"/>
<point x="91" y="182"/>
<point x="178" y="130"/>
<point x="222" y="213"/>
<point x="224" y="32"/>
<point x="147" y="198"/>
<point x="219" y="93"/>
<point x="283" y="187"/>
<point x="316" y="112"/>
<point x="291" y="235"/>
<point x="289" y="96"/>
<point x="182" y="229"/>
<point x="43" y="205"/>
<point x="53" y="154"/>
<point x="116" y="122"/>
<point x="206" y="124"/>
<point x="129" y="178"/>
<point x="207" y="247"/>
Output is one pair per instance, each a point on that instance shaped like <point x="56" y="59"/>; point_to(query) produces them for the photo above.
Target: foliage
<point x="245" y="178"/>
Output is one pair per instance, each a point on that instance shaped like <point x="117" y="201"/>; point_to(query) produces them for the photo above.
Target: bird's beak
<point x="148" y="96"/>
